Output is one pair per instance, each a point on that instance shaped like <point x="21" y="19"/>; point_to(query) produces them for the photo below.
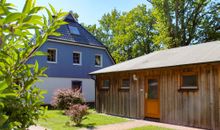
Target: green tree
<point x="133" y="34"/>
<point x="184" y="22"/>
<point x="128" y="34"/>
<point x="21" y="33"/>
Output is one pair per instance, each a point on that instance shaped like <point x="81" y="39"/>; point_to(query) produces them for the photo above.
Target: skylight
<point x="74" y="30"/>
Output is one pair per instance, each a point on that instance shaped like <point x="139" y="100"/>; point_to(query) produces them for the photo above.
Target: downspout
<point x="94" y="78"/>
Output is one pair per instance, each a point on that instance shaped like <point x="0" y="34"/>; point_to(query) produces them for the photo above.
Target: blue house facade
<point x="71" y="57"/>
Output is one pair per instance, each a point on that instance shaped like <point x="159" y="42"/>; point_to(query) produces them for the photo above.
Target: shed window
<point x="189" y="81"/>
<point x="77" y="58"/>
<point x="51" y="57"/>
<point x="125" y="83"/>
<point x="74" y="30"/>
<point x="77" y="85"/>
<point x="106" y="83"/>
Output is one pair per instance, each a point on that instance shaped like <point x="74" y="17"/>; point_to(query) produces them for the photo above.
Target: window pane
<point x="106" y="83"/>
<point x="76" y="58"/>
<point x="76" y="85"/>
<point x="98" y="60"/>
<point x="125" y="83"/>
<point x="189" y="80"/>
<point x="74" y="30"/>
<point x="51" y="55"/>
<point x="152" y="89"/>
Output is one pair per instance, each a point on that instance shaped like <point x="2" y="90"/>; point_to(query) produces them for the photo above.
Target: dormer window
<point x="74" y="30"/>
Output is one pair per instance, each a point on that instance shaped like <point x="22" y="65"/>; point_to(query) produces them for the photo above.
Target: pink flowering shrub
<point x="77" y="113"/>
<point x="64" y="98"/>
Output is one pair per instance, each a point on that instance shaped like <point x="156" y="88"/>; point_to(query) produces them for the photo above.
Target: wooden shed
<point x="178" y="86"/>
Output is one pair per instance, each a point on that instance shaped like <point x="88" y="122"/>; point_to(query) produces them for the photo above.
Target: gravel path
<point x="138" y="123"/>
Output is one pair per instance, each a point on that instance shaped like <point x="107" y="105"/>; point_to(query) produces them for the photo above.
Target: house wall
<point x="52" y="84"/>
<point x="197" y="108"/>
<point x="64" y="66"/>
<point x="61" y="73"/>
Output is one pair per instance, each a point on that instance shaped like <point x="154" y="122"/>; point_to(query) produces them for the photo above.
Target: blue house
<point x="71" y="57"/>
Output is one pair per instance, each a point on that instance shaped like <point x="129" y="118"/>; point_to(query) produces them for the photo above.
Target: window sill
<point x="51" y="62"/>
<point x="124" y="89"/>
<point x="98" y="66"/>
<point x="188" y="89"/>
<point x="104" y="89"/>
<point x="78" y="64"/>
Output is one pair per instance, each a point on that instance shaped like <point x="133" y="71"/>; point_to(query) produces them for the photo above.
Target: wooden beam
<point x="212" y="87"/>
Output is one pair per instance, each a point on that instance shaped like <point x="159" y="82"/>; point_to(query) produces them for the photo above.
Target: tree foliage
<point x="20" y="101"/>
<point x="185" y="22"/>
<point x="128" y="34"/>
<point x="168" y="24"/>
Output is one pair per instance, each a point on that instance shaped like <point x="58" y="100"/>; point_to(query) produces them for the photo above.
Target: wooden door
<point x="152" y="97"/>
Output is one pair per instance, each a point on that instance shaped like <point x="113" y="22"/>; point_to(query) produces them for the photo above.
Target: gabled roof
<point x="193" y="54"/>
<point x="84" y="38"/>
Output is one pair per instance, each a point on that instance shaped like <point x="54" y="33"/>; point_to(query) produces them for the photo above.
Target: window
<point x="106" y="83"/>
<point x="152" y="88"/>
<point x="52" y="55"/>
<point x="125" y="83"/>
<point x="189" y="81"/>
<point x="98" y="60"/>
<point x="77" y="58"/>
<point x="74" y="30"/>
<point x="77" y="85"/>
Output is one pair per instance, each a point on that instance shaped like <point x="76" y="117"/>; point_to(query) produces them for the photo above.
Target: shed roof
<point x="193" y="54"/>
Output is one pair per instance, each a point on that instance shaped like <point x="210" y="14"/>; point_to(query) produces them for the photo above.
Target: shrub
<point x="77" y="113"/>
<point x="64" y="98"/>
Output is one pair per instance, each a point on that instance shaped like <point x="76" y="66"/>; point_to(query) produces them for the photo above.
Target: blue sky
<point x="90" y="11"/>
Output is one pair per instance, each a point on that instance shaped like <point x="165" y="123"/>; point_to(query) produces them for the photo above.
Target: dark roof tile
<point x="85" y="37"/>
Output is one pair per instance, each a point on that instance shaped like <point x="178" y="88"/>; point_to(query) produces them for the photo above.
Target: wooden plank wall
<point x="197" y="108"/>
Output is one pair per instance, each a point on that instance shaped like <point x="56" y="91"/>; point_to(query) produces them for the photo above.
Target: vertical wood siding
<point x="196" y="108"/>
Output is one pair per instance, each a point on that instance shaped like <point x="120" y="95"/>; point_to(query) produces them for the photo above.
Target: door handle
<point x="146" y="95"/>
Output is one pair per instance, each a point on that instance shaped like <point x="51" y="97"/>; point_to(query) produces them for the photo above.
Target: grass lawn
<point x="55" y="120"/>
<point x="150" y="127"/>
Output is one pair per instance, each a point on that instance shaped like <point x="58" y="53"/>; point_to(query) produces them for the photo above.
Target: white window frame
<point x="55" y="56"/>
<point x="80" y="58"/>
<point x="100" y="59"/>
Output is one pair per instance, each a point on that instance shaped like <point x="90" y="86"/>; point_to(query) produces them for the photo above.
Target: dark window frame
<point x="189" y="87"/>
<point x="123" y="84"/>
<point x="77" y="81"/>
<point x="103" y="83"/>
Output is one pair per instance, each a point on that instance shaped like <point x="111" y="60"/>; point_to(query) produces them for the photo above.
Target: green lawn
<point x="150" y="127"/>
<point x="55" y="120"/>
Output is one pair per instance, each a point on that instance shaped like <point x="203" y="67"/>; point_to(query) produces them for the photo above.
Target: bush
<point x="77" y="113"/>
<point x="21" y="34"/>
<point x="64" y="98"/>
